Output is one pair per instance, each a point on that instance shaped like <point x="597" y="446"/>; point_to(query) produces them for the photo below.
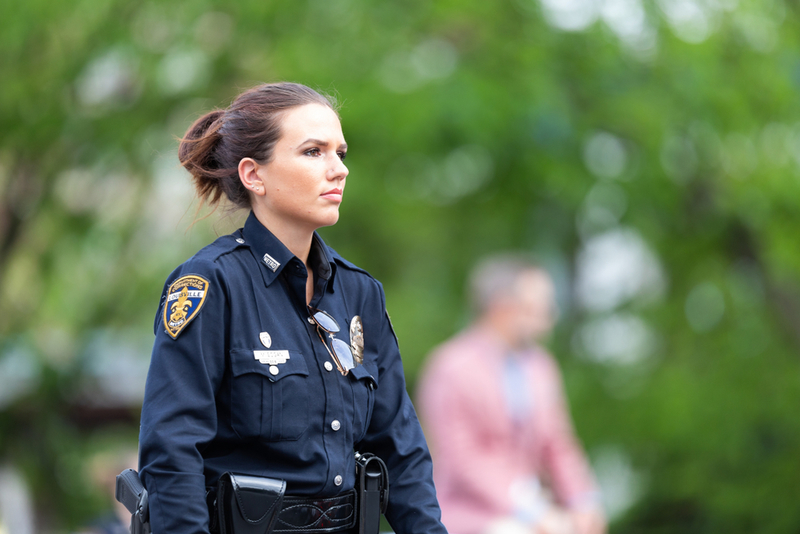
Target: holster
<point x="248" y="504"/>
<point x="372" y="491"/>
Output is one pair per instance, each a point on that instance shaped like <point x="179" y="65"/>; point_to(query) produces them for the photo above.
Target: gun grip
<point x="129" y="489"/>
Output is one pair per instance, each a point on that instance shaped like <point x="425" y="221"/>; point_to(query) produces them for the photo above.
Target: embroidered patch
<point x="185" y="297"/>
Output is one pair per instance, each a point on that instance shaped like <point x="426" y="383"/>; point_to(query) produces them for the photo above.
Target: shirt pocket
<point x="364" y="386"/>
<point x="266" y="404"/>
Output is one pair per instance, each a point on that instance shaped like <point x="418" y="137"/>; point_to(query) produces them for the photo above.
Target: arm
<point x="179" y="412"/>
<point x="395" y="435"/>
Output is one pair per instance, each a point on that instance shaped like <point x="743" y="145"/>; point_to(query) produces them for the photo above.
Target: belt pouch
<point x="248" y="504"/>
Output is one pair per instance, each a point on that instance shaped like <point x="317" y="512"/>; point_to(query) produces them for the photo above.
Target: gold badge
<point x="185" y="297"/>
<point x="357" y="340"/>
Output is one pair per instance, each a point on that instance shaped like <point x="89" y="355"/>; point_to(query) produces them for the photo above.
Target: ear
<point x="249" y="175"/>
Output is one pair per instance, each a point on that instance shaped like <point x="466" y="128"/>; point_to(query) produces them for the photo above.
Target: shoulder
<point x="221" y="247"/>
<point x="455" y="356"/>
<point x="464" y="345"/>
<point x="207" y="265"/>
<point x="208" y="260"/>
<point x="348" y="265"/>
<point x="198" y="280"/>
<point x="352" y="272"/>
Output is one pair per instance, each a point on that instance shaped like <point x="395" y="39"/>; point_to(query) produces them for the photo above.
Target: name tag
<point x="271" y="357"/>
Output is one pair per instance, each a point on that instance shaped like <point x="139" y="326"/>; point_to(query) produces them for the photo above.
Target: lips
<point x="334" y="195"/>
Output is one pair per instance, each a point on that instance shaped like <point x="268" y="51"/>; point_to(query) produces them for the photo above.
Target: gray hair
<point x="496" y="276"/>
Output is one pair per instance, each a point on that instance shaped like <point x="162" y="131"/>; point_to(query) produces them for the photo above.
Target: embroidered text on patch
<point x="185" y="297"/>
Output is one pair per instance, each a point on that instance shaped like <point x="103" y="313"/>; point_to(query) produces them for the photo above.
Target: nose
<point x="339" y="170"/>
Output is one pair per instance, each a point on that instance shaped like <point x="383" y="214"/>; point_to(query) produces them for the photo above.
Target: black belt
<point x="243" y="504"/>
<point x="255" y="501"/>
<point x="316" y="514"/>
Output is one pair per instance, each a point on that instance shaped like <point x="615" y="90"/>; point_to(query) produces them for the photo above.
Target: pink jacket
<point x="478" y="451"/>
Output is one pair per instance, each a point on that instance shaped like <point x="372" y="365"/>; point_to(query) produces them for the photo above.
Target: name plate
<point x="271" y="357"/>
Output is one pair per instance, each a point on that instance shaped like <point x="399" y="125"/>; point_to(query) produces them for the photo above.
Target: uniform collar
<point x="273" y="256"/>
<point x="320" y="259"/>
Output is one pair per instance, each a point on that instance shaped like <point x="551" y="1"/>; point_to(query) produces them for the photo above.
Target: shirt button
<point x="336" y="425"/>
<point x="273" y="370"/>
<point x="338" y="480"/>
<point x="240" y="241"/>
<point x="310" y="320"/>
<point x="328" y="366"/>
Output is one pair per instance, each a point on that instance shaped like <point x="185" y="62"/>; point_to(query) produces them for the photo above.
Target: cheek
<point x="302" y="182"/>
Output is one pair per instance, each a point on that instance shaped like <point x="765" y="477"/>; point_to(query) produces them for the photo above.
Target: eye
<point x="342" y="154"/>
<point x="312" y="152"/>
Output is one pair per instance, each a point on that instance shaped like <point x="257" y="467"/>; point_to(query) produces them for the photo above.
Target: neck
<point x="502" y="331"/>
<point x="296" y="238"/>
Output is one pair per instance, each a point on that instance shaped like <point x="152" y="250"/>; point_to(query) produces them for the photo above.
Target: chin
<point x="328" y="220"/>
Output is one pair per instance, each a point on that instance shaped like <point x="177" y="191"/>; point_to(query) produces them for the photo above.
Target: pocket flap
<point x="362" y="373"/>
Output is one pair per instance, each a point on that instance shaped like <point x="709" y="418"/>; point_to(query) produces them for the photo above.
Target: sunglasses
<point x="340" y="351"/>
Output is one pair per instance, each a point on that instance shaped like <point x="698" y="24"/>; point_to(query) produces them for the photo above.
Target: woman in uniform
<point x="274" y="356"/>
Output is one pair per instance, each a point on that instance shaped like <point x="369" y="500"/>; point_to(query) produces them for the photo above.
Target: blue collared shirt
<point x="212" y="406"/>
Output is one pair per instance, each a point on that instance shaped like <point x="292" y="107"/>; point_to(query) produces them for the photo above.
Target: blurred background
<point x="647" y="152"/>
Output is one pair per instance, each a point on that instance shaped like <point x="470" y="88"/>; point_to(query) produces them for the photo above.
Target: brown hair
<point x="215" y="144"/>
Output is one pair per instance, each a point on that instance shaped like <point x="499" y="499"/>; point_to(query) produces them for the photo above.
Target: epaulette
<point x="347" y="264"/>
<point x="221" y="246"/>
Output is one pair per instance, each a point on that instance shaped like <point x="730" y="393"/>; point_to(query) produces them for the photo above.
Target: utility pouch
<point x="248" y="504"/>
<point x="372" y="492"/>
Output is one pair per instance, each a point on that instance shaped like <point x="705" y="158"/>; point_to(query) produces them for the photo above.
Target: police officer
<point x="274" y="356"/>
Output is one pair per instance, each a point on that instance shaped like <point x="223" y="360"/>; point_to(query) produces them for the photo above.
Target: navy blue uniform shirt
<point x="212" y="406"/>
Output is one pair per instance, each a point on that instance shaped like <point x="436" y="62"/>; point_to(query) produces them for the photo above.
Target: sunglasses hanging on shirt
<point x="339" y="351"/>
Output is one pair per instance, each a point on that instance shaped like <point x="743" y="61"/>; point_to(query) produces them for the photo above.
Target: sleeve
<point x="179" y="415"/>
<point x="395" y="435"/>
<point x="563" y="456"/>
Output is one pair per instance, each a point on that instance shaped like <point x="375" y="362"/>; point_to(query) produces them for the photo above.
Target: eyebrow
<point x="323" y="143"/>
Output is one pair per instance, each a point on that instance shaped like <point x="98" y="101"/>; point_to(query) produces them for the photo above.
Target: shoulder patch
<point x="185" y="297"/>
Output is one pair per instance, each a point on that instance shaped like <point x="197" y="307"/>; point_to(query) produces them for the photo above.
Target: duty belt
<point x="317" y="515"/>
<point x="245" y="504"/>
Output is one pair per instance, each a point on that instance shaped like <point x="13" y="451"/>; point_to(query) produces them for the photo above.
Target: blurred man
<point x="505" y="456"/>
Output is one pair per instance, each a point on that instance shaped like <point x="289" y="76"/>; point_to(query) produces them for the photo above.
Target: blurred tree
<point x="648" y="152"/>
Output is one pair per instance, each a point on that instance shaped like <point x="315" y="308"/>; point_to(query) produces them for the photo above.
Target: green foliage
<point x="474" y="127"/>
